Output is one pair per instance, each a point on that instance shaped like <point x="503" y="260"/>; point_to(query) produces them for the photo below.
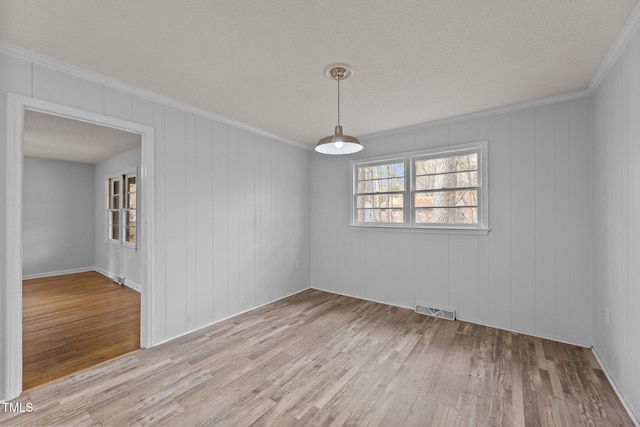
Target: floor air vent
<point x="436" y="312"/>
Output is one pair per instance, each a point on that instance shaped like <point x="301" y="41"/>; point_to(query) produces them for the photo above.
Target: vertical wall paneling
<point x="483" y="245"/>
<point x="499" y="202"/>
<point x="70" y="91"/>
<point x="632" y="390"/>
<point x="249" y="166"/>
<point x="91" y="97"/>
<point x="234" y="221"/>
<point x="16" y="75"/>
<point x="47" y="84"/>
<point x="545" y="257"/>
<point x="142" y="111"/>
<point x="522" y="212"/>
<point x="615" y="220"/>
<point x="279" y="212"/>
<point x="580" y="226"/>
<point x="204" y="219"/>
<point x="221" y="224"/>
<point x="265" y="264"/>
<point x="562" y="218"/>
<point x="161" y="223"/>
<point x="176" y="209"/>
<point x="242" y="175"/>
<point x="190" y="226"/>
<point x="468" y="252"/>
<point x="118" y="104"/>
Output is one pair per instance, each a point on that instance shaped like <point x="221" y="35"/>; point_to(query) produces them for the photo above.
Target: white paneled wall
<point x="616" y="222"/>
<point x="529" y="274"/>
<point x="232" y="206"/>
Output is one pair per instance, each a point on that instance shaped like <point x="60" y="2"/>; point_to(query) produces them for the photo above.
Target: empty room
<point x="420" y="213"/>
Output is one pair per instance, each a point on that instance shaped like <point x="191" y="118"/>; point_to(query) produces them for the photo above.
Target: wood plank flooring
<point x="75" y="321"/>
<point x="322" y="359"/>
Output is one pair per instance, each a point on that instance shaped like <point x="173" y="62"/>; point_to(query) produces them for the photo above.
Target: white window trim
<point x="482" y="227"/>
<point x="122" y="177"/>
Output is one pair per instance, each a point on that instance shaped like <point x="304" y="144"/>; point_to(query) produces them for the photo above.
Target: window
<point x="122" y="208"/>
<point x="442" y="188"/>
<point x="379" y="194"/>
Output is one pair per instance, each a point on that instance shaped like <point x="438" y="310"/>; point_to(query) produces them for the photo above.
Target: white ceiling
<point x="260" y="62"/>
<point x="61" y="138"/>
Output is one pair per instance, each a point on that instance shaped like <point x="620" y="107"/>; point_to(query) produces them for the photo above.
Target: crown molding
<point x="54" y="64"/>
<point x="485" y="113"/>
<point x="616" y="49"/>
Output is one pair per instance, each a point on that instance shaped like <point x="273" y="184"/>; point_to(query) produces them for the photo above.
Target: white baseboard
<point x="57" y="273"/>
<point x="135" y="286"/>
<point x="475" y="322"/>
<point x="128" y="283"/>
<point x="615" y="388"/>
<point x="231" y="316"/>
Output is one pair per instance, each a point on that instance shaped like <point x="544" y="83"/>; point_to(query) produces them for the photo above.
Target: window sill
<point x="432" y="230"/>
<point x="119" y="244"/>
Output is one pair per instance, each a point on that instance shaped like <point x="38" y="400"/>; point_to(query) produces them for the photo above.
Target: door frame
<point x="11" y="306"/>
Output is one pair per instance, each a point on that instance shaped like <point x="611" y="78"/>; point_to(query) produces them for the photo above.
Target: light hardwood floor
<point x="323" y="359"/>
<point x="75" y="321"/>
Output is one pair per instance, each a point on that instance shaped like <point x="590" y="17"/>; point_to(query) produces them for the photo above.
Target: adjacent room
<point x="76" y="247"/>
<point x="319" y="213"/>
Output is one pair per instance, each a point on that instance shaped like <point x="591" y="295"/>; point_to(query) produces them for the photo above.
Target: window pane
<point x="130" y="235"/>
<point x="381" y="185"/>
<point x="447" y="180"/>
<point x="130" y="218"/>
<point x="114" y="202"/>
<point x="114" y="217"/>
<point x="116" y="186"/>
<point x="391" y="170"/>
<point x="380" y="215"/>
<point x="131" y="184"/>
<point x="446" y="198"/>
<point x="381" y="201"/>
<point x="130" y="201"/>
<point x="446" y="216"/>
<point x="447" y="164"/>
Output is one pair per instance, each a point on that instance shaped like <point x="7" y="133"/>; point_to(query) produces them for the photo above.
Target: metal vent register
<point x="436" y="312"/>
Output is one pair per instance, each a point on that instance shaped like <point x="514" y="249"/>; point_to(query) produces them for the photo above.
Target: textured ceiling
<point x="260" y="62"/>
<point x="60" y="138"/>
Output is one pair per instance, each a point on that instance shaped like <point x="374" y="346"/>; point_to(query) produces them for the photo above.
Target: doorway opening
<point x="19" y="109"/>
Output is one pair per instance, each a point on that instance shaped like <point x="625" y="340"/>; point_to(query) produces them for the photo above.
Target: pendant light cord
<point x="338" y="101"/>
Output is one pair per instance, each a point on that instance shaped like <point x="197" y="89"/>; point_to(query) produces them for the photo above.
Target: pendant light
<point x="338" y="143"/>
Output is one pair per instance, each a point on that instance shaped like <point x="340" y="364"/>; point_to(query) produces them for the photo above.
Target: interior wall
<point x="232" y="206"/>
<point x="57" y="216"/>
<point x="527" y="274"/>
<point x="616" y="222"/>
<point x="112" y="259"/>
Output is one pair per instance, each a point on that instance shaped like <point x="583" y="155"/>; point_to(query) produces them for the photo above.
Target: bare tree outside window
<point x="380" y="193"/>
<point x="446" y="190"/>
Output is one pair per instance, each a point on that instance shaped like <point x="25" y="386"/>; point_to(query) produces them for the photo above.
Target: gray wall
<point x="616" y="222"/>
<point x="58" y="216"/>
<point x="529" y="274"/>
<point x="232" y="205"/>
<point x="116" y="260"/>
